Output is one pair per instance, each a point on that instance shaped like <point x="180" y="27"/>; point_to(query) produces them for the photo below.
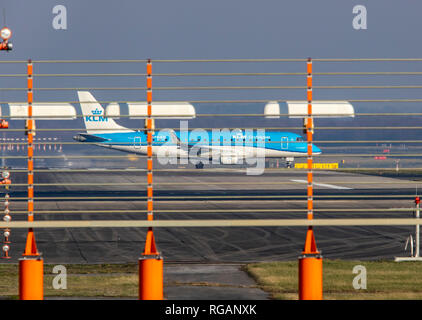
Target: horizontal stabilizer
<point x="90" y="137"/>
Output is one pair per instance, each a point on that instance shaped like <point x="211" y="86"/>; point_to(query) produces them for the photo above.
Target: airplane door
<point x="284" y="143"/>
<point x="137" y="142"/>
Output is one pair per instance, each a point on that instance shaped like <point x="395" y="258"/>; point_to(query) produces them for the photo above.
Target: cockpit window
<point x="299" y="139"/>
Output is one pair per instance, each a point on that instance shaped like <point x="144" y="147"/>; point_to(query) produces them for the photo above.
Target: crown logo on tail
<point x="96" y="112"/>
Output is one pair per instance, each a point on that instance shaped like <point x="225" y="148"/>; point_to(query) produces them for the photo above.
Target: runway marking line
<point x="332" y="186"/>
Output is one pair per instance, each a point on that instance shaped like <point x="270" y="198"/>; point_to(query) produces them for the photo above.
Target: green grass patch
<point x="98" y="280"/>
<point x="385" y="279"/>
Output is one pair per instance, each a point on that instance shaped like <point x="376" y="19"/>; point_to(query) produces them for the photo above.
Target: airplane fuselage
<point x="271" y="144"/>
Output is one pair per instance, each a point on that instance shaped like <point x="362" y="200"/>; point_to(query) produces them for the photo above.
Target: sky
<point x="197" y="29"/>
<point x="131" y="29"/>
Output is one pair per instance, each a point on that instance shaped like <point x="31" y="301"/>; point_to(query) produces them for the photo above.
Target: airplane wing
<point x="174" y="138"/>
<point x="206" y="151"/>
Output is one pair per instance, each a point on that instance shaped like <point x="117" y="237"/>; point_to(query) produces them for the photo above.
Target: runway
<point x="211" y="194"/>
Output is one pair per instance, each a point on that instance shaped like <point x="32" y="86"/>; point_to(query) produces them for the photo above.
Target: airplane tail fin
<point x="94" y="116"/>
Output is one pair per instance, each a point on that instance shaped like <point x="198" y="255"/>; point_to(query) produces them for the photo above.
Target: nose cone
<point x="315" y="149"/>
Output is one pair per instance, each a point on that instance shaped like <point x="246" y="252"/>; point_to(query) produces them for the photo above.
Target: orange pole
<point x="149" y="143"/>
<point x="30" y="128"/>
<point x="150" y="265"/>
<point x="31" y="273"/>
<point x="310" y="263"/>
<point x="151" y="276"/>
<point x="150" y="268"/>
<point x="310" y="278"/>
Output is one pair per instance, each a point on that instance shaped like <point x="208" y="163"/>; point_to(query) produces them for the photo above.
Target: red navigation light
<point x="6" y="181"/>
<point x="5" y="33"/>
<point x="4" y="124"/>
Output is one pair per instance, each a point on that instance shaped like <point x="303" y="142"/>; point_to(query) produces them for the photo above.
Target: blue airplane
<point x="221" y="146"/>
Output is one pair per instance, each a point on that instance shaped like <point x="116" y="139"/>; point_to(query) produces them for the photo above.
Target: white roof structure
<point x="53" y="111"/>
<point x="320" y="109"/>
<point x="160" y="110"/>
<point x="272" y="110"/>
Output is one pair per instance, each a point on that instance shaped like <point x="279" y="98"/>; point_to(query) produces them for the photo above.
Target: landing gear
<point x="199" y="165"/>
<point x="290" y="162"/>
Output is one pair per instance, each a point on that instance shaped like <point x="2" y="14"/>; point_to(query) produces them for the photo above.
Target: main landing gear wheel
<point x="290" y="162"/>
<point x="199" y="165"/>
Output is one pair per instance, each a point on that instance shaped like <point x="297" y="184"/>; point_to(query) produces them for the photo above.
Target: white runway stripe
<point x="324" y="185"/>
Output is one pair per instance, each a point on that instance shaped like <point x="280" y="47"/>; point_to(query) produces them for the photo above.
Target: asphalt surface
<point x="216" y="194"/>
<point x="201" y="282"/>
<point x="205" y="263"/>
